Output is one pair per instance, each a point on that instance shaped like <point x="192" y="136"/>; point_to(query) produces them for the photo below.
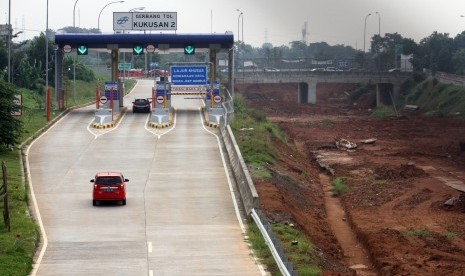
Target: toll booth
<point x="213" y="104"/>
<point x="108" y="105"/>
<point x="162" y="111"/>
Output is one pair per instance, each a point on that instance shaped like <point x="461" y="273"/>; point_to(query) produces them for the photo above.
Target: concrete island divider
<point x="247" y="191"/>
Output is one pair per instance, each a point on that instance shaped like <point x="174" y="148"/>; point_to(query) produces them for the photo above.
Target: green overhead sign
<point x="124" y="66"/>
<point x="82" y="50"/>
<point x="189" y="49"/>
<point x="137" y="50"/>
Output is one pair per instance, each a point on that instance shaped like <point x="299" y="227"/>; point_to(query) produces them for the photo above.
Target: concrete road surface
<point x="180" y="217"/>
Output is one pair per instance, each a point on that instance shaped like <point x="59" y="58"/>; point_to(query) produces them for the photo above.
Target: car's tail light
<point x="95" y="186"/>
<point x="121" y="186"/>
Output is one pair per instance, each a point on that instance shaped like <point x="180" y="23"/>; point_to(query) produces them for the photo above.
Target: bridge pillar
<point x="396" y="91"/>
<point x="302" y="92"/>
<point x="307" y="92"/>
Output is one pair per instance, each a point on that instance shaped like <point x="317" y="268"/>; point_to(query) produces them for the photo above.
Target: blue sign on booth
<point x="189" y="75"/>
<point x="109" y="85"/>
<point x="216" y="89"/>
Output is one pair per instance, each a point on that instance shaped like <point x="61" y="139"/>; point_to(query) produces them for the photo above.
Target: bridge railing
<point x="317" y="77"/>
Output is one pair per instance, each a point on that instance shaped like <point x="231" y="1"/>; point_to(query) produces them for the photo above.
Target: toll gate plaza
<point x="199" y="76"/>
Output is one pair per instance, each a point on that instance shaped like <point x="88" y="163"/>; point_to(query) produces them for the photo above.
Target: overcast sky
<point x="277" y="22"/>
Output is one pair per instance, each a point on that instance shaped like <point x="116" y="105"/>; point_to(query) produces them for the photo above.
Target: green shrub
<point x="418" y="233"/>
<point x="338" y="186"/>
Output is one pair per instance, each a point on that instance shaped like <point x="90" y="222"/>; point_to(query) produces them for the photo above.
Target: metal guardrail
<point x="4" y="196"/>
<point x="228" y="106"/>
<point x="249" y="196"/>
<point x="285" y="267"/>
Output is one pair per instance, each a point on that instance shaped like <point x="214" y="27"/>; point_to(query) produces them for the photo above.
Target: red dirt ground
<point x="396" y="202"/>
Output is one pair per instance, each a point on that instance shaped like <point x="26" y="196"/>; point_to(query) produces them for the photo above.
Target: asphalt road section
<point x="180" y="218"/>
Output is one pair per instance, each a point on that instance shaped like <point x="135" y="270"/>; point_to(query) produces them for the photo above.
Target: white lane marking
<point x="150" y="272"/>
<point x="149" y="247"/>
<point x="90" y="131"/>
<point x="236" y="208"/>
<point x="35" y="267"/>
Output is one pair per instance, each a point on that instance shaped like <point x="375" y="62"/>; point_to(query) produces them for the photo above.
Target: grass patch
<point x="261" y="248"/>
<point x="438" y="98"/>
<point x="299" y="249"/>
<point x="254" y="134"/>
<point x="383" y="112"/>
<point x="418" y="233"/>
<point x="338" y="186"/>
<point x="18" y="247"/>
<point x="450" y="235"/>
<point x="327" y="120"/>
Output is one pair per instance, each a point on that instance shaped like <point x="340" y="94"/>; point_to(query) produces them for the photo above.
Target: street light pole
<point x="242" y="23"/>
<point x="10" y="30"/>
<point x="46" y="52"/>
<point x="74" y="54"/>
<point x="98" y="23"/>
<point x="365" y="31"/>
<point x="241" y="14"/>
<point x="137" y="9"/>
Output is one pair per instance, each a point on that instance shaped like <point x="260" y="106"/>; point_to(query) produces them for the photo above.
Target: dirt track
<point x="396" y="203"/>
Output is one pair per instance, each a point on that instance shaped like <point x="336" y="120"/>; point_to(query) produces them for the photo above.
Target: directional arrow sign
<point x="189" y="50"/>
<point x="82" y="50"/>
<point x="138" y="50"/>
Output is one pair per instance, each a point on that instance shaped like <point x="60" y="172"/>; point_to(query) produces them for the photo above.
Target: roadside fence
<point x="4" y="197"/>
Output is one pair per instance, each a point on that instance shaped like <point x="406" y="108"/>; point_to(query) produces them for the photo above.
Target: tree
<point x="435" y="53"/>
<point x="82" y="72"/>
<point x="458" y="58"/>
<point x="71" y="29"/>
<point x="383" y="49"/>
<point x="3" y="57"/>
<point x="10" y="127"/>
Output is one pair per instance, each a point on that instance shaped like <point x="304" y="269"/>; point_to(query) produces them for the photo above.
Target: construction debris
<point x="344" y="144"/>
<point x="368" y="141"/>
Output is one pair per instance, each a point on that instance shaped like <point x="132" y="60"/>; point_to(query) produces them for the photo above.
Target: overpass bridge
<point x="387" y="83"/>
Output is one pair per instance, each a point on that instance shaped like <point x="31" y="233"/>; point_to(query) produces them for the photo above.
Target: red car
<point x="109" y="186"/>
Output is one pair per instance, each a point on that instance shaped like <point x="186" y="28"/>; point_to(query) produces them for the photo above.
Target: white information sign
<point x="142" y="21"/>
<point x="18" y="101"/>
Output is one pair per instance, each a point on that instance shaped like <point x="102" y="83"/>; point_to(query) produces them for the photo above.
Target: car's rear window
<point x="108" y="180"/>
<point x="140" y="101"/>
